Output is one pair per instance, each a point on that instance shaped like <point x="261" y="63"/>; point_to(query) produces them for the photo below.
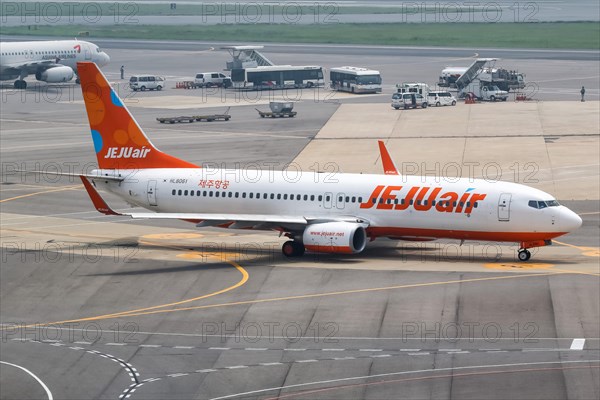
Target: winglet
<point x="98" y="201"/>
<point x="388" y="165"/>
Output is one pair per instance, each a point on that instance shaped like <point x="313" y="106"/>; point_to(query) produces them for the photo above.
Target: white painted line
<point x="50" y="341"/>
<point x="42" y="384"/>
<point x="370" y="349"/>
<point x="151" y="379"/>
<point x="490" y="349"/>
<point x="333" y="349"/>
<point x="459" y="352"/>
<point x="177" y="375"/>
<point x="577" y="344"/>
<point x="82" y="342"/>
<point x="381" y="355"/>
<point x="294" y="349"/>
<point x="76" y="348"/>
<point x="183" y="347"/>
<point x="237" y="367"/>
<point x="344" y="358"/>
<point x="255" y="348"/>
<point x="206" y="370"/>
<point x="20" y="339"/>
<point x="150" y="345"/>
<point x="449" y="350"/>
<point x="219" y="348"/>
<point x="410" y="349"/>
<point x="306" y="361"/>
<point x="424" y="353"/>
<point x="271" y="363"/>
<point x="115" y="344"/>
<point x="497" y="351"/>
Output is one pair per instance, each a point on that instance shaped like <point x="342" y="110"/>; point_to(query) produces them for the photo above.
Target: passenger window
<point x="173" y="192"/>
<point x="305" y="197"/>
<point x="327" y="198"/>
<point x="230" y="194"/>
<point x="291" y="197"/>
<point x="320" y="197"/>
<point x="210" y="194"/>
<point x="179" y="192"/>
<point x="360" y="199"/>
<point x="191" y="192"/>
<point x="204" y="193"/>
<point x="237" y="195"/>
<point x="285" y="196"/>
<point x="312" y="197"/>
<point x="217" y="194"/>
<point x="243" y="195"/>
<point x="278" y="196"/>
<point x="251" y="194"/>
<point x="272" y="196"/>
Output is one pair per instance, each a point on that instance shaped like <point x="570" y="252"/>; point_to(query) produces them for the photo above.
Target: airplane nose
<point x="106" y="59"/>
<point x="570" y="221"/>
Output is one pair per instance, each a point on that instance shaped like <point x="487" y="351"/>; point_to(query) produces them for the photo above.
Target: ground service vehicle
<point x="277" y="77"/>
<point x="408" y="100"/>
<point x="149" y="82"/>
<point x="313" y="212"/>
<point x="484" y="92"/>
<point x="212" y="79"/>
<point x="355" y="80"/>
<point x="441" y="99"/>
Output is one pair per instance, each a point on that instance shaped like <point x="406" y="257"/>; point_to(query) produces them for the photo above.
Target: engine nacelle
<point x="335" y="237"/>
<point x="56" y="74"/>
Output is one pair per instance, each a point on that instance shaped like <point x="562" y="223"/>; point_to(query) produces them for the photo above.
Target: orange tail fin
<point x="119" y="141"/>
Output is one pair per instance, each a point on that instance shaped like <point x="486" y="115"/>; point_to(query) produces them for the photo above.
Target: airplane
<point x="50" y="61"/>
<point x="318" y="212"/>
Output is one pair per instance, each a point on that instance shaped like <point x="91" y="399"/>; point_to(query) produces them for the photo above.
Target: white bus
<point x="277" y="77"/>
<point x="355" y="80"/>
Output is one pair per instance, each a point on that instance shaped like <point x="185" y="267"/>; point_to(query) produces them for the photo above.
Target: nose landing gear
<point x="524" y="255"/>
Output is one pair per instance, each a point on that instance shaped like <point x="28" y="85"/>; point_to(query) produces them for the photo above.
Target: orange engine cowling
<point x="335" y="237"/>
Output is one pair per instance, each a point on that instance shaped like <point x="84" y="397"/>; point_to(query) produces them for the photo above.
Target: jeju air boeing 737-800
<point x="316" y="211"/>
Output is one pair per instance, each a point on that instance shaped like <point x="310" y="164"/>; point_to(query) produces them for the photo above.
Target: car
<point x="212" y="79"/>
<point x="441" y="99"/>
<point x="143" y="82"/>
<point x="408" y="100"/>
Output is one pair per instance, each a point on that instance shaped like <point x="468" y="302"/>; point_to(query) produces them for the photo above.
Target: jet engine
<point x="56" y="74"/>
<point x="335" y="237"/>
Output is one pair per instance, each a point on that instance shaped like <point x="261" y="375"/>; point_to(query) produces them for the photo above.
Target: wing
<point x="282" y="223"/>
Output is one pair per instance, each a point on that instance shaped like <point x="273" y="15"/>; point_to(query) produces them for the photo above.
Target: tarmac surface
<point x="94" y="306"/>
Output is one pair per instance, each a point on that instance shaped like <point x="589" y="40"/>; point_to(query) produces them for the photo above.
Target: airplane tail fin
<point x="119" y="141"/>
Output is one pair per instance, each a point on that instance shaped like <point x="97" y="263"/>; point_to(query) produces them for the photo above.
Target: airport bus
<point x="355" y="80"/>
<point x="277" y="77"/>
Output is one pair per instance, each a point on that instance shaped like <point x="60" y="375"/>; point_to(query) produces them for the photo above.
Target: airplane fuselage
<point x="404" y="207"/>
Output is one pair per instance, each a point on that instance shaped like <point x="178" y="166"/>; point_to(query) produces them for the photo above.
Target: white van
<point x="143" y="82"/>
<point x="210" y="79"/>
<point x="441" y="99"/>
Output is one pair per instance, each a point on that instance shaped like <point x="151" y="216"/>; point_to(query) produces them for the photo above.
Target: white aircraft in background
<point x="50" y="61"/>
<point x="318" y="212"/>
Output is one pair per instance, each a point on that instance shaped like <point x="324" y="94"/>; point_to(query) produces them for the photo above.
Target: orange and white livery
<point x="318" y="212"/>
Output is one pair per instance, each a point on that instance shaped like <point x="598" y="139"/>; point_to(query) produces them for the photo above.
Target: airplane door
<point x="152" y="193"/>
<point x="340" y="203"/>
<point x="327" y="200"/>
<point x="87" y="53"/>
<point x="504" y="207"/>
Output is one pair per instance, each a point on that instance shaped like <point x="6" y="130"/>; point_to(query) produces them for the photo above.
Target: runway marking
<point x="577" y="344"/>
<point x="279" y="388"/>
<point x="517" y="265"/>
<point x="42" y="384"/>
<point x="145" y="310"/>
<point x="590" y="213"/>
<point x="587" y="251"/>
<point x="75" y="187"/>
<point x="319" y="295"/>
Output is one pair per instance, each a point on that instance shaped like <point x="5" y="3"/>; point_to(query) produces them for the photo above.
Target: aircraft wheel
<point x="524" y="255"/>
<point x="292" y="248"/>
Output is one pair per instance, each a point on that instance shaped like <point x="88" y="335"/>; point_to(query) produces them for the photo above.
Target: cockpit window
<point x="543" y="204"/>
<point x="97" y="49"/>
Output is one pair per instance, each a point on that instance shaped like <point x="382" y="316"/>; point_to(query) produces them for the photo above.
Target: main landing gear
<point x="293" y="248"/>
<point x="524" y="255"/>
<point x="20" y="84"/>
